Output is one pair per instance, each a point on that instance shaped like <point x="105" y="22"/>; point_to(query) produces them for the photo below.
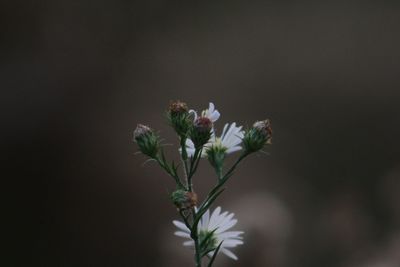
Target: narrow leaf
<point x="205" y="206"/>
<point x="214" y="255"/>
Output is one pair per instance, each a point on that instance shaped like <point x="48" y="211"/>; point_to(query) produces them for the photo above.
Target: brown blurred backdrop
<point x="77" y="76"/>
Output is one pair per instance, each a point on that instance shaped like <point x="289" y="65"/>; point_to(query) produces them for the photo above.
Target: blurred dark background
<point x="77" y="76"/>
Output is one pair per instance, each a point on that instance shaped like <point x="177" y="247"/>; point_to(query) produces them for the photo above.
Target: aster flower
<point x="210" y="113"/>
<point x="207" y="233"/>
<point x="216" y="225"/>
<point x="229" y="141"/>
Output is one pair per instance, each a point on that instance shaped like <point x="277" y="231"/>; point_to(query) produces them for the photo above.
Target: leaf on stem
<point x="214" y="256"/>
<point x="205" y="206"/>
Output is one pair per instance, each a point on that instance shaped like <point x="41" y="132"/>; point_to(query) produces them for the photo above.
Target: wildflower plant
<point x="207" y="232"/>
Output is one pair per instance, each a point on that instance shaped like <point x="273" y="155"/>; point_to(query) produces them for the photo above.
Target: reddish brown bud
<point x="178" y="107"/>
<point x="264" y="127"/>
<point x="203" y="124"/>
<point x="184" y="199"/>
<point x="191" y="199"/>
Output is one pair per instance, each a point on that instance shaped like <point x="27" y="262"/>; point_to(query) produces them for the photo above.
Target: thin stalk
<point x="222" y="179"/>
<point x="195" y="237"/>
<point x="194" y="163"/>
<point x="184" y="157"/>
<point x="185" y="219"/>
<point x="189" y="174"/>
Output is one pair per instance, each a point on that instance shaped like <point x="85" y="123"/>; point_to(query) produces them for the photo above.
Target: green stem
<point x="189" y="174"/>
<point x="223" y="179"/>
<point x="184" y="159"/>
<point x="185" y="219"/>
<point x="195" y="237"/>
<point x="194" y="163"/>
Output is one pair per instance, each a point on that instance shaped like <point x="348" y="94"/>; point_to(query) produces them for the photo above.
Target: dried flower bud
<point x="178" y="107"/>
<point x="178" y="117"/>
<point x="259" y="135"/>
<point x="147" y="140"/>
<point x="184" y="199"/>
<point x="264" y="127"/>
<point x="201" y="131"/>
<point x="140" y="131"/>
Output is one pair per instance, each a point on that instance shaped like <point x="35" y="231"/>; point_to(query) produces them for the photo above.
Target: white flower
<point x="219" y="223"/>
<point x="210" y="113"/>
<point x="229" y="141"/>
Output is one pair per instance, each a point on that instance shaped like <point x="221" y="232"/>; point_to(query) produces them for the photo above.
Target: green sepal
<point x="149" y="144"/>
<point x="205" y="206"/>
<point x="254" y="140"/>
<point x="180" y="122"/>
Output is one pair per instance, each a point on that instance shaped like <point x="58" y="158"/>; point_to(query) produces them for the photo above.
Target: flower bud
<point x="184" y="199"/>
<point x="178" y="116"/>
<point x="147" y="140"/>
<point x="201" y="131"/>
<point x="216" y="155"/>
<point x="178" y="107"/>
<point x="259" y="135"/>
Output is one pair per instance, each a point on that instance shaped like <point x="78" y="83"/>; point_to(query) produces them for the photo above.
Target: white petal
<point x="194" y="113"/>
<point x="231" y="129"/>
<point x="214" y="217"/>
<point x="205" y="219"/>
<point x="189" y="148"/>
<point x="226" y="226"/>
<point x="231" y="243"/>
<point x="211" y="107"/>
<point x="189" y="243"/>
<point x="225" y="220"/>
<point x="219" y="221"/>
<point x="228" y="253"/>
<point x="182" y="234"/>
<point x="230" y="234"/>
<point x="181" y="226"/>
<point x="214" y="116"/>
<point x="224" y="130"/>
<point x="231" y="136"/>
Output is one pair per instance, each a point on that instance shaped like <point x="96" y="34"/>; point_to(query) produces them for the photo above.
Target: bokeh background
<point x="77" y="76"/>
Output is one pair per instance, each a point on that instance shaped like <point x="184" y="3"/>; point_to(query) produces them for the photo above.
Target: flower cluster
<point x="208" y="234"/>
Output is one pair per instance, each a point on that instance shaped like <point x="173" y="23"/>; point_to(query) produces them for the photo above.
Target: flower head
<point x="141" y="131"/>
<point x="229" y="141"/>
<point x="264" y="127"/>
<point x="214" y="229"/>
<point x="201" y="131"/>
<point x="184" y="199"/>
<point x="177" y="107"/>
<point x="259" y="135"/>
<point x="179" y="117"/>
<point x="210" y="113"/>
<point x="147" y="140"/>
